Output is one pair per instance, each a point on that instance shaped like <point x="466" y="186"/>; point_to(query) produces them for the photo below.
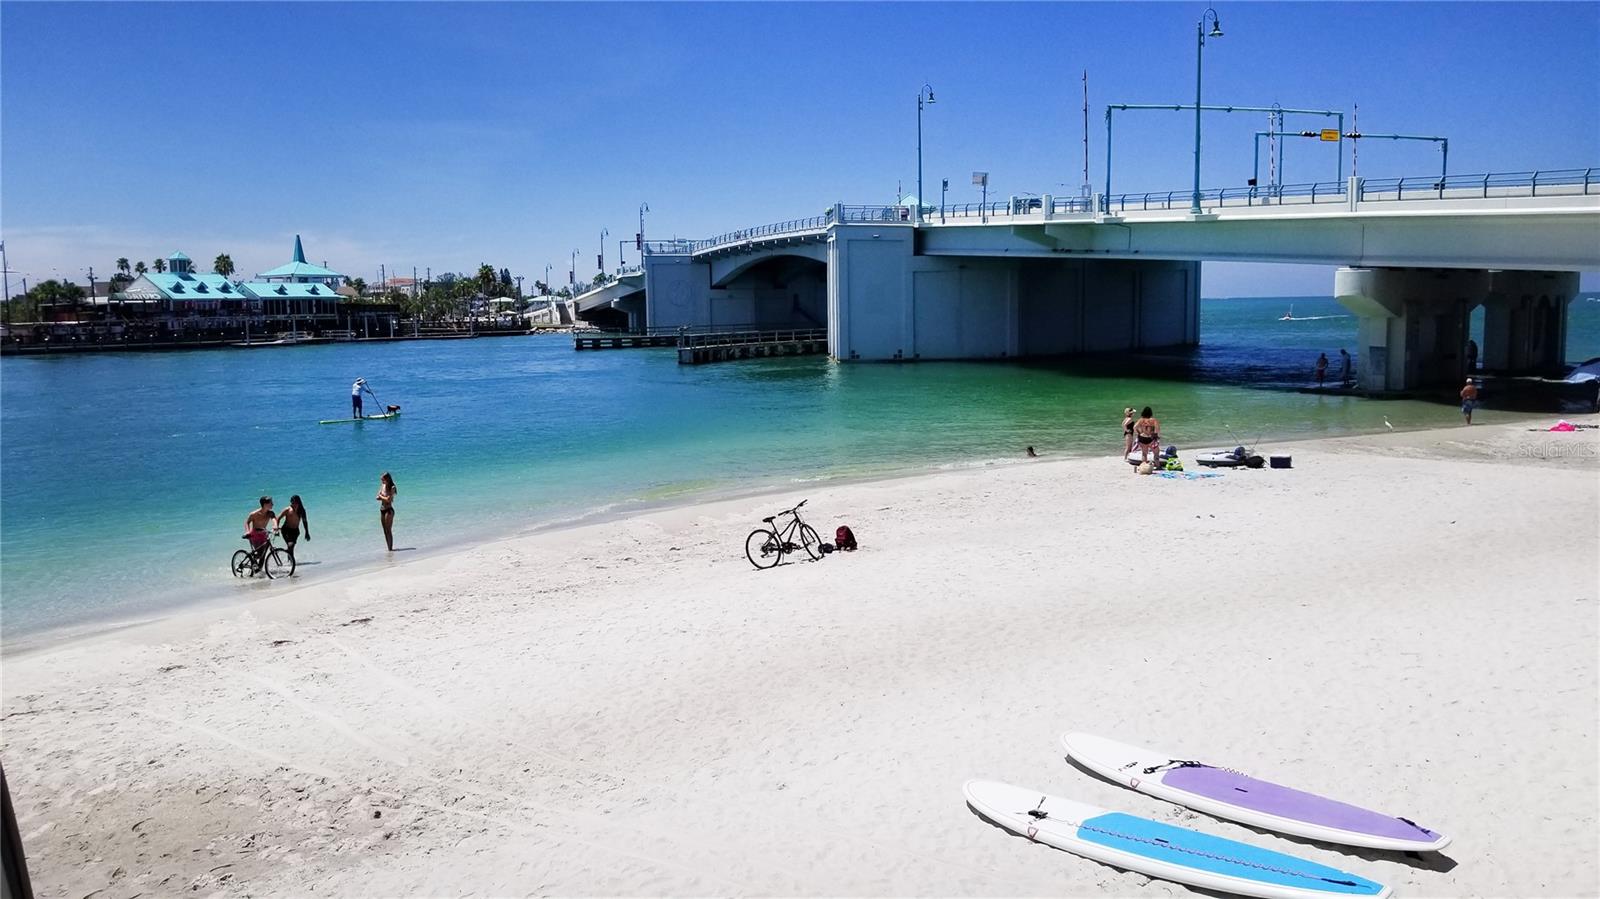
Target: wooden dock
<point x="701" y="349"/>
<point x="603" y="341"/>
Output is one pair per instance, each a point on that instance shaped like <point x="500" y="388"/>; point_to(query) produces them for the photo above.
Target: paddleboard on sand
<point x="1237" y="797"/>
<point x="342" y="421"/>
<point x="1160" y="850"/>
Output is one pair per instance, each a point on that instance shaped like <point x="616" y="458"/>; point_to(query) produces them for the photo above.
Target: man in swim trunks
<point x="256" y="524"/>
<point x="355" y="397"/>
<point x="1147" y="433"/>
<point x="1469" y="400"/>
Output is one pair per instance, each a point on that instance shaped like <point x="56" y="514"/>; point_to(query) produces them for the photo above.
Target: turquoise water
<point x="125" y="478"/>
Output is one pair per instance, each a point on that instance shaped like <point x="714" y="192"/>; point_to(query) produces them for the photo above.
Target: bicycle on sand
<point x="274" y="560"/>
<point x="766" y="547"/>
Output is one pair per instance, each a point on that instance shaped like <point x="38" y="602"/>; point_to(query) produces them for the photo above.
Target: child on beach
<point x="1127" y="431"/>
<point x="1469" y="400"/>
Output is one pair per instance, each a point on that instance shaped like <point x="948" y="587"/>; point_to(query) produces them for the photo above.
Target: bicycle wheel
<point x="241" y="561"/>
<point x="279" y="564"/>
<point x="811" y="541"/>
<point x="763" y="548"/>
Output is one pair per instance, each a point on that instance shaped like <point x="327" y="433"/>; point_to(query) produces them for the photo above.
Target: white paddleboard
<point x="1237" y="797"/>
<point x="1160" y="850"/>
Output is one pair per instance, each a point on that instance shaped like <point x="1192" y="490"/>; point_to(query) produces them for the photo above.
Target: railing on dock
<point x="699" y="349"/>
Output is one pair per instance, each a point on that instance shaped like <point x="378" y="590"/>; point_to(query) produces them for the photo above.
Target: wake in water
<point x="1309" y="318"/>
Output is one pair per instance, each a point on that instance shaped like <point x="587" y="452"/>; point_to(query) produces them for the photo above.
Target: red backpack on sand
<point x="844" y="538"/>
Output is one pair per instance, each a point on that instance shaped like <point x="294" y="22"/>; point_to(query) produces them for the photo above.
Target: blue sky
<point x="444" y="135"/>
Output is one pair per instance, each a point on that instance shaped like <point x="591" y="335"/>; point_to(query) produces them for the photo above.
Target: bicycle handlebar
<point x="795" y="509"/>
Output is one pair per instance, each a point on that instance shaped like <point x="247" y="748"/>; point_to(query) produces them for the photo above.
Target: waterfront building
<point x="180" y="298"/>
<point x="297" y="290"/>
<point x="180" y="295"/>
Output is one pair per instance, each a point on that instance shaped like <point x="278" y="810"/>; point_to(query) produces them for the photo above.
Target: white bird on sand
<point x="1386" y="423"/>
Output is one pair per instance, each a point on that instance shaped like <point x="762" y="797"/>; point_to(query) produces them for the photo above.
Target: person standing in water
<point x="1344" y="367"/>
<point x="1127" y="431"/>
<point x="355" y="397"/>
<point x="292" y="522"/>
<point x="385" y="497"/>
<point x="258" y="525"/>
<point x="1322" y="367"/>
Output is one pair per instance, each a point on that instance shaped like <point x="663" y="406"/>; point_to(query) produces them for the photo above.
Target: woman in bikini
<point x="292" y="522"/>
<point x="385" y="497"/>
<point x="1147" y="431"/>
<point x="1127" y="431"/>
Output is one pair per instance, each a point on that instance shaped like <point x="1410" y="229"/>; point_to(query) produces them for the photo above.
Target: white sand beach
<point x="1407" y="621"/>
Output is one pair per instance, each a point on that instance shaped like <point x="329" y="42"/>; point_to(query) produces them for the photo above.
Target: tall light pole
<point x="572" y="275"/>
<point x="1200" y="46"/>
<point x="924" y="96"/>
<point x="643" y="208"/>
<point x="603" y="235"/>
<point x="547" y="291"/>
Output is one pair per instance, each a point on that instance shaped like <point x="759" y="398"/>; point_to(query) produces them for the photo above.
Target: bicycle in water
<point x="766" y="547"/>
<point x="275" y="561"/>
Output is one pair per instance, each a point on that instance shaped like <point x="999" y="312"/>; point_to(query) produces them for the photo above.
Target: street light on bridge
<point x="924" y="96"/>
<point x="1200" y="46"/>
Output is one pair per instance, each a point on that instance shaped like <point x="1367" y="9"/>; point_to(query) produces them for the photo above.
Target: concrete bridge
<point x="1049" y="276"/>
<point x="617" y="305"/>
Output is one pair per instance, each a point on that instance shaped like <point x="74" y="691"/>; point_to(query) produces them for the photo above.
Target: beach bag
<point x="844" y="538"/>
<point x="1174" y="463"/>
<point x="1146" y="468"/>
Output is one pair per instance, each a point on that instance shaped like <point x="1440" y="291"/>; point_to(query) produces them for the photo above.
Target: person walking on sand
<point x="1469" y="400"/>
<point x="1127" y="431"/>
<point x="385" y="497"/>
<point x="1147" y="432"/>
<point x="1322" y="367"/>
<point x="355" y="397"/>
<point x="292" y="522"/>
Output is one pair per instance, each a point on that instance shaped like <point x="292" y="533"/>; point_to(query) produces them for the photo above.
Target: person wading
<point x="385" y="498"/>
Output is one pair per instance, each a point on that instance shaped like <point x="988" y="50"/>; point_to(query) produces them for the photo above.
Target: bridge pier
<point x="1413" y="323"/>
<point x="887" y="302"/>
<point x="1525" y="321"/>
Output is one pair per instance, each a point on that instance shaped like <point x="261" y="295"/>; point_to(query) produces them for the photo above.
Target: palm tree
<point x="139" y="268"/>
<point x="487" y="276"/>
<point x="161" y="265"/>
<point x="359" y="285"/>
<point x="122" y="264"/>
<point x="223" y="265"/>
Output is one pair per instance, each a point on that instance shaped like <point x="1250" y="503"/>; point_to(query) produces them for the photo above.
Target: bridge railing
<point x="1552" y="182"/>
<point x="872" y="214"/>
<point x="793" y="226"/>
<point x="675" y="247"/>
<point x="1545" y="183"/>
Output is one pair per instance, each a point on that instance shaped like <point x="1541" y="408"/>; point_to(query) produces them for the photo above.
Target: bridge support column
<point x="1525" y="321"/>
<point x="677" y="291"/>
<point x="1412" y="323"/>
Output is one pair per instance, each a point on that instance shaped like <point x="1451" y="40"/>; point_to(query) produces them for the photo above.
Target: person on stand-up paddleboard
<point x="355" y="397"/>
